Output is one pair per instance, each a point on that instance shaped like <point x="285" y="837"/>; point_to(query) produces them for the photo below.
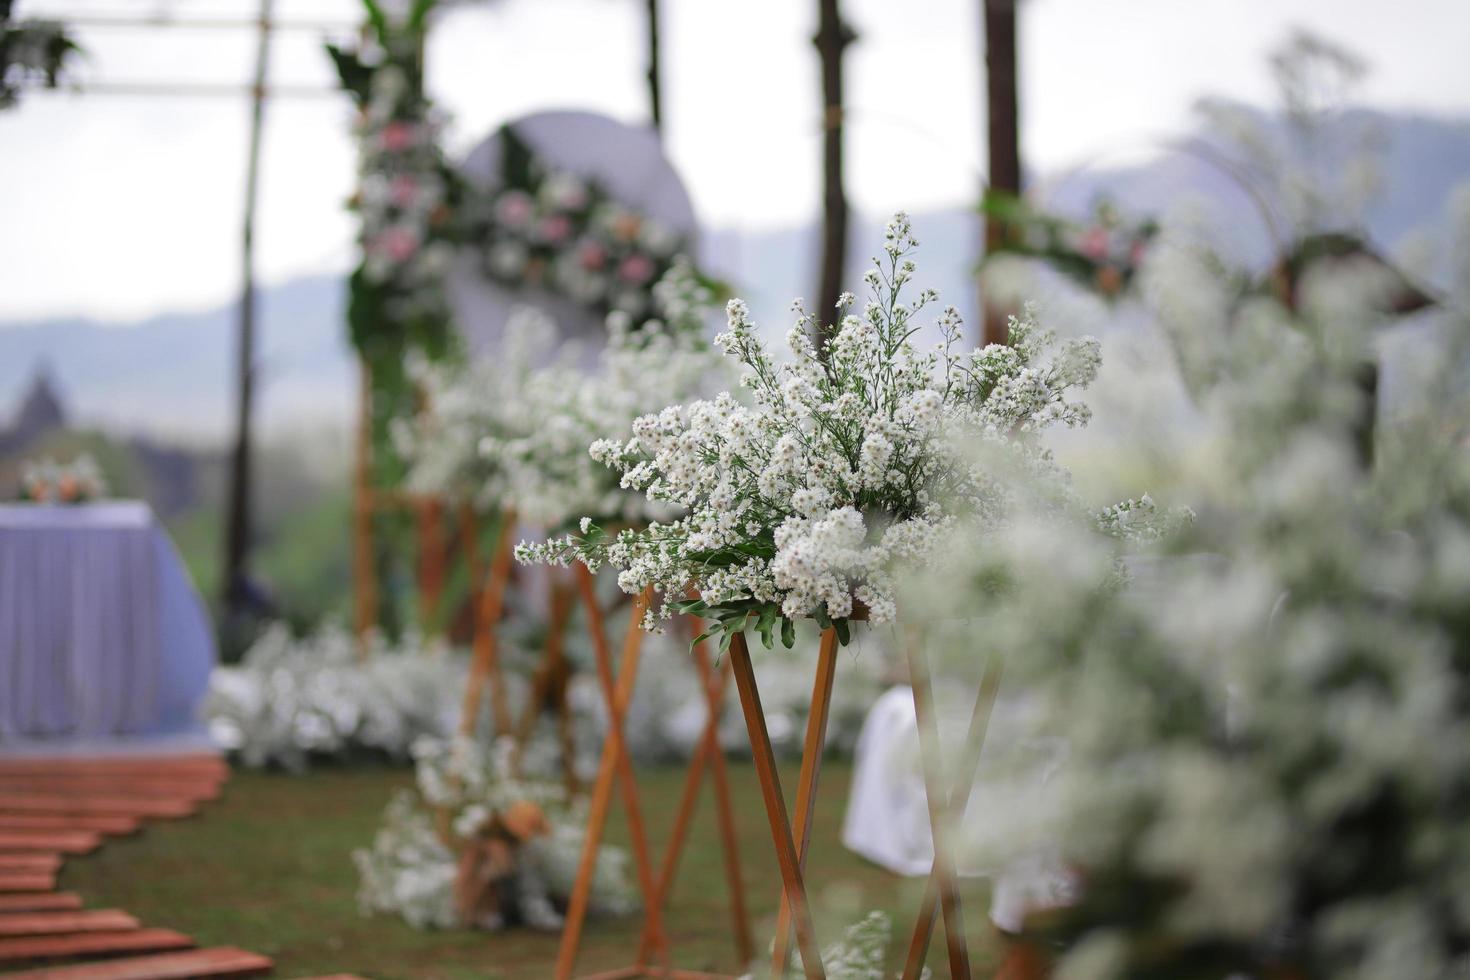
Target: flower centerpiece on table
<point x="844" y="466"/>
<point x="49" y="482"/>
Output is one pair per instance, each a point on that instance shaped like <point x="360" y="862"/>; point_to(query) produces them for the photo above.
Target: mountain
<point x="171" y="375"/>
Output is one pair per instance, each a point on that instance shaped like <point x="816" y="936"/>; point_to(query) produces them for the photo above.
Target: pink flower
<point x="636" y="268"/>
<point x="513" y="209"/>
<point x="592" y="256"/>
<point x="398" y="243"/>
<point x="398" y="136"/>
<point x="404" y="190"/>
<point x="1094" y="243"/>
<point x="555" y="228"/>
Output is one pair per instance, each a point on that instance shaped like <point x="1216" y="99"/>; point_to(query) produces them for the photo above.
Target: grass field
<point x="267" y="868"/>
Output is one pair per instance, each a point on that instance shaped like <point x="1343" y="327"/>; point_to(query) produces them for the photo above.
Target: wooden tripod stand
<point x="653" y="958"/>
<point x="790" y="838"/>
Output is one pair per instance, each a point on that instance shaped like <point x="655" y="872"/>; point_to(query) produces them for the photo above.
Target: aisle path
<point x="55" y="808"/>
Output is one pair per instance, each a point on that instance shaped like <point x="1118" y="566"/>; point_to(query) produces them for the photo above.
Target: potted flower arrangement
<point x="806" y="499"/>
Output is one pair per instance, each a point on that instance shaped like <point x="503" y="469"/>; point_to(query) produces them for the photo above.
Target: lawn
<point x="267" y="868"/>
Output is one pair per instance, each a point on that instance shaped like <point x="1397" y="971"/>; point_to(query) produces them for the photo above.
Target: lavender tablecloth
<point x="101" y="631"/>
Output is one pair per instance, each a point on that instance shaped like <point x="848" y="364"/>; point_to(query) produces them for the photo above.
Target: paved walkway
<point x="52" y="809"/>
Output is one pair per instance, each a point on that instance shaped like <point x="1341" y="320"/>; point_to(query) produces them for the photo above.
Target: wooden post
<point x="792" y="880"/>
<point x="485" y="664"/>
<point x="832" y="38"/>
<point x="655" y="70"/>
<point x="238" y="528"/>
<point x="1004" y="144"/>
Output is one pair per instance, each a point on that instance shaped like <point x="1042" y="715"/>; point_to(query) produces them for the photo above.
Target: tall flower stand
<point x="654" y="954"/>
<point x="790" y="838"/>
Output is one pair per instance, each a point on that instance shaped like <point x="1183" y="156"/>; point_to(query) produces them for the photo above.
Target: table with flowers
<point x="101" y="630"/>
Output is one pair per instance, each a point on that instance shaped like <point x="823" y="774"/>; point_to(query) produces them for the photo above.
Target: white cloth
<point x="887" y="818"/>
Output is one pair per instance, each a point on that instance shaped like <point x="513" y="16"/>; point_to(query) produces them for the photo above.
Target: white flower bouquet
<point x="841" y="468"/>
<point x="512" y="431"/>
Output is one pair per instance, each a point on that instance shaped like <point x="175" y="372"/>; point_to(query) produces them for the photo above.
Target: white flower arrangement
<point x="292" y="701"/>
<point x="1266" y="772"/>
<point x="840" y="470"/>
<point x="512" y="431"/>
<point x="410" y="870"/>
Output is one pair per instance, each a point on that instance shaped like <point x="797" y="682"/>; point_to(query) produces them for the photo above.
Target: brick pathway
<point x="51" y="809"/>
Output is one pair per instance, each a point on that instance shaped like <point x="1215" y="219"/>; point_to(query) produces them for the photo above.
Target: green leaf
<point x="765" y="624"/>
<point x="844" y="634"/>
<point x="726" y="640"/>
<point x="823" y="620"/>
<point x="788" y="632"/>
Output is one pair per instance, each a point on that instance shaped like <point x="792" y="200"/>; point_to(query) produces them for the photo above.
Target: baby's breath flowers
<point x="512" y="431"/>
<point x="840" y="469"/>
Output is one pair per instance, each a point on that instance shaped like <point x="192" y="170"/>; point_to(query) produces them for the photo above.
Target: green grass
<point x="267" y="868"/>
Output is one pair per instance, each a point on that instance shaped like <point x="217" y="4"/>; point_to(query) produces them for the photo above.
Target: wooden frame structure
<point x="791" y="838"/>
<point x="654" y="953"/>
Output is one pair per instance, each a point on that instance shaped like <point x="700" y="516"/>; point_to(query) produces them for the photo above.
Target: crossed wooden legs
<point x="617" y="764"/>
<point x="790" y="840"/>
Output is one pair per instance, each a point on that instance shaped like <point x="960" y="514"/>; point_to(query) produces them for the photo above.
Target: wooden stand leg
<point x="364" y="557"/>
<point x="793" y="885"/>
<point x="615" y="764"/>
<point x="548" y="685"/>
<point x="812" y="751"/>
<point x="708" y="753"/>
<point x="486" y="662"/>
<point x="433" y="558"/>
<point x="959" y="799"/>
<point x="944" y="877"/>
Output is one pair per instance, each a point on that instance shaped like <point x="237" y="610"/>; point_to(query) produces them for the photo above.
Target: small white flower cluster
<point x="49" y="482"/>
<point x="410" y="871"/>
<point x="513" y="430"/>
<point x="292" y="701"/>
<point x="843" y="467"/>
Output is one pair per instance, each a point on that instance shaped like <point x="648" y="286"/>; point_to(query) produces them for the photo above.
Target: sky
<point x="120" y="206"/>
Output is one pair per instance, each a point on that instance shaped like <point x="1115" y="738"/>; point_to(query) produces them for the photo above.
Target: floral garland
<point x="1103" y="254"/>
<point x="543" y="227"/>
<point x="397" y="303"/>
<point x="49" y="482"/>
<point x="844" y="468"/>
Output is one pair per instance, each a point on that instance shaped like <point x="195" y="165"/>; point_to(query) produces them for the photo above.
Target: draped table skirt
<point x="101" y="630"/>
